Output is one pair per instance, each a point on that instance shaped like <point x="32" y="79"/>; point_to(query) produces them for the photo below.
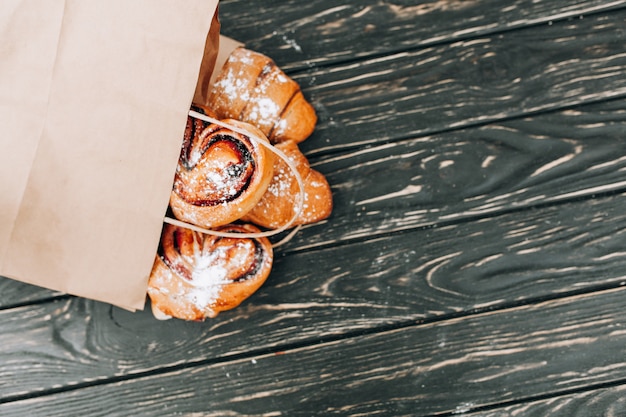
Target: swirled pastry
<point x="221" y="174"/>
<point x="196" y="276"/>
<point x="252" y="88"/>
<point x="279" y="203"/>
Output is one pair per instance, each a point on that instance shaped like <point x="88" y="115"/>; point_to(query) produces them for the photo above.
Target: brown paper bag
<point x="94" y="98"/>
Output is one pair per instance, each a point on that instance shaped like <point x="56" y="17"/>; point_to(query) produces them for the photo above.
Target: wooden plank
<point x="425" y="275"/>
<point x="473" y="82"/>
<point x="456" y="176"/>
<point x="417" y="294"/>
<point x="299" y="35"/>
<point x="602" y="402"/>
<point x="440" y="183"/>
<point x="444" y="367"/>
<point x="14" y="293"/>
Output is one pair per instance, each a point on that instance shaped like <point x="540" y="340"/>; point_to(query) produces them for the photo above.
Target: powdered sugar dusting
<point x="213" y="268"/>
<point x="195" y="155"/>
<point x="218" y="174"/>
<point x="264" y="109"/>
<point x="233" y="85"/>
<point x="281" y="127"/>
<point x="224" y="178"/>
<point x="281" y="183"/>
<point x="207" y="278"/>
<point x="259" y="101"/>
<point x="209" y="275"/>
<point x="241" y="57"/>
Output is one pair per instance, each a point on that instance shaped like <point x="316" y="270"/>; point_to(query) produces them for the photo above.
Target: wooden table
<point x="475" y="261"/>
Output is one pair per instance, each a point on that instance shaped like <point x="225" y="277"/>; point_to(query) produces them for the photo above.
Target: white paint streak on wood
<point x="409" y="189"/>
<point x="265" y="394"/>
<point x="488" y="259"/>
<point x="607" y="164"/>
<point x="521" y="231"/>
<point x="487" y="161"/>
<point x="528" y="251"/>
<point x="611" y="256"/>
<point x="365" y="151"/>
<point x="304" y="306"/>
<point x="473" y="356"/>
<point x="325" y="288"/>
<point x="317" y="16"/>
<point x="510" y="370"/>
<point x="590" y="191"/>
<point x="577" y="151"/>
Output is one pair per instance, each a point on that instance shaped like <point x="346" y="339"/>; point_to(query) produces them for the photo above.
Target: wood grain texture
<point x="456" y="176"/>
<point x="470" y="173"/>
<point x="445" y="367"/>
<point x="14" y="293"/>
<point x="300" y="35"/>
<point x="473" y="265"/>
<point x="605" y="402"/>
<point x="426" y="275"/>
<point x="415" y="93"/>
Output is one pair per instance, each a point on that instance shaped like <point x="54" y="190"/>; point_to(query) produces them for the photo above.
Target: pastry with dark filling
<point x="221" y="174"/>
<point x="196" y="275"/>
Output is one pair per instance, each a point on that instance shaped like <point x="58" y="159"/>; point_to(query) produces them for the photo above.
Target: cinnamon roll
<point x="196" y="276"/>
<point x="281" y="200"/>
<point x="252" y="88"/>
<point x="221" y="174"/>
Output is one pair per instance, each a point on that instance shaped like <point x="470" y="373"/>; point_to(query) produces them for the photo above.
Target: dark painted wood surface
<point x="449" y="367"/>
<point x="475" y="260"/>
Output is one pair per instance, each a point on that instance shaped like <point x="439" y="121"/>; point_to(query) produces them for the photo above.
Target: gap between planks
<point x="450" y="318"/>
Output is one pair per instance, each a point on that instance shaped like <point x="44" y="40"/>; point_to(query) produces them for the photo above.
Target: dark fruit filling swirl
<point x="216" y="165"/>
<point x="188" y="253"/>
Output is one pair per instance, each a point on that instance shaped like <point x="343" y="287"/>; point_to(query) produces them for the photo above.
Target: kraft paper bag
<point x="94" y="96"/>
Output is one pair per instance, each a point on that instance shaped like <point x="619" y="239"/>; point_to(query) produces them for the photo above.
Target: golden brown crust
<point x="252" y="88"/>
<point x="221" y="174"/>
<point x="279" y="203"/>
<point x="196" y="276"/>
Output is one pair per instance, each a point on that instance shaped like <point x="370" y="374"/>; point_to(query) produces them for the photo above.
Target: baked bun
<point x="252" y="88"/>
<point x="196" y="276"/>
<point x="221" y="174"/>
<point x="280" y="201"/>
